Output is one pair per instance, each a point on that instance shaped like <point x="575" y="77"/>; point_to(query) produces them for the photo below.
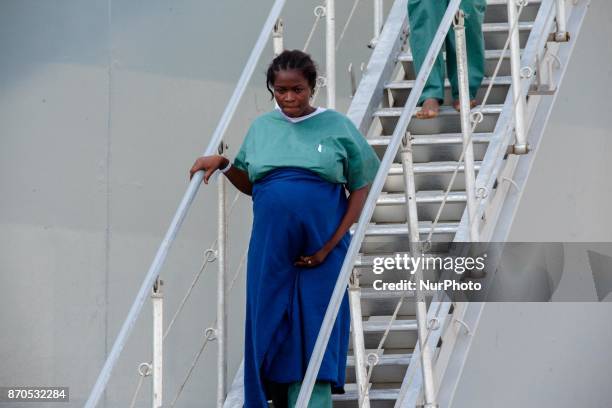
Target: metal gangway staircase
<point x="452" y="179"/>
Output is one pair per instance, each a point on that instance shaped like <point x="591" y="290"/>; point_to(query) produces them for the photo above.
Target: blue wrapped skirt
<point x="295" y="212"/>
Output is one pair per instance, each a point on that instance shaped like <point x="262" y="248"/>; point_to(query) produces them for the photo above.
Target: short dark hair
<point x="294" y="59"/>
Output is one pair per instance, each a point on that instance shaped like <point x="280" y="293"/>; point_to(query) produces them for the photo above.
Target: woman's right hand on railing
<point x="209" y="164"/>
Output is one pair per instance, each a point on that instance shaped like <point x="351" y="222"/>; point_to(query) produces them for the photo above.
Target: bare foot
<point x="457" y="104"/>
<point x="429" y="110"/>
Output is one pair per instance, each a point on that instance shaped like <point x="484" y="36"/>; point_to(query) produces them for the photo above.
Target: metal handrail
<point x="366" y="214"/>
<point x="181" y="212"/>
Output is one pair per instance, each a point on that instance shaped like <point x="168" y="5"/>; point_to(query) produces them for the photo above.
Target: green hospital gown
<point x="327" y="144"/>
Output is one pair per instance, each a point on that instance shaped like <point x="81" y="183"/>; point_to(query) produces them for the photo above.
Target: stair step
<point x="409" y="84"/>
<point x="391" y="238"/>
<point x="448" y="121"/>
<point x="431" y="167"/>
<point x="497" y="11"/>
<point x="489" y="54"/>
<point x="385" y="360"/>
<point x="422" y="197"/>
<point x="383" y="302"/>
<point x="434" y="148"/>
<point x="505" y="27"/>
<point x="437" y="139"/>
<point x="400" y="90"/>
<point x="428" y="176"/>
<point x="391" y="368"/>
<point x="504" y="2"/>
<point x="502" y="26"/>
<point x="379" y="398"/>
<point x="377" y="230"/>
<point x="444" y="111"/>
<point x="496" y="33"/>
<point x="379" y="326"/>
<point x="395" y="112"/>
<point x="491" y="58"/>
<point x="402" y="334"/>
<point x="391" y="207"/>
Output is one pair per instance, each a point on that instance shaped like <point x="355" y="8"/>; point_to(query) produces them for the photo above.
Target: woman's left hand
<point x="313" y="260"/>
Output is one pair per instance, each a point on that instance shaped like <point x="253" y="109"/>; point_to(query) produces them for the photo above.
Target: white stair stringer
<point x="496" y="212"/>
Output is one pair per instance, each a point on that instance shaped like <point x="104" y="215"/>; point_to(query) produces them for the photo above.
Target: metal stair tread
<point x="497" y="27"/>
<point x="402" y="229"/>
<point x="504" y="26"/>
<point x="385" y="360"/>
<point x="388" y="394"/>
<point x="444" y="110"/>
<point x="368" y="293"/>
<point x="431" y="167"/>
<point x="504" y="2"/>
<point x="429" y="196"/>
<point x="438" y="138"/>
<point x="489" y="54"/>
<point x="376" y="326"/>
<point x="409" y="83"/>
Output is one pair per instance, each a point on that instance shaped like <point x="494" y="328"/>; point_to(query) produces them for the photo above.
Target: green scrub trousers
<point x="424" y="17"/>
<point x="320" y="397"/>
<point x="285" y="395"/>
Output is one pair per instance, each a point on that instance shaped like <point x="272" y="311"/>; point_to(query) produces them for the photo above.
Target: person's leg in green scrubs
<point x="320" y="397"/>
<point x="424" y="18"/>
<point x="474" y="11"/>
